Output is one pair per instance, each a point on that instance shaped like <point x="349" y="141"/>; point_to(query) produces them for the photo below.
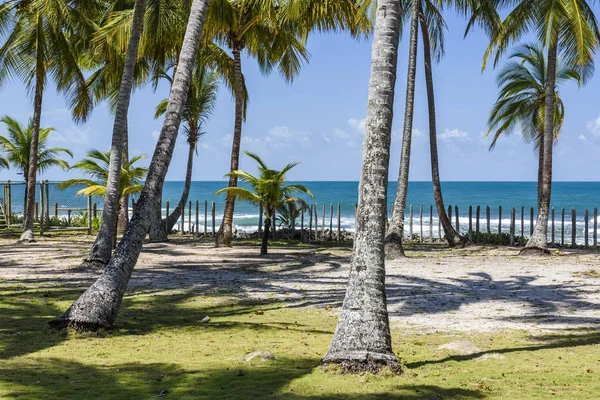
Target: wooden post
<point x="190" y="217"/>
<point x="37" y="210"/>
<point x="499" y="222"/>
<point x="339" y="227"/>
<point x="47" y="202"/>
<point x="552" y="235"/>
<point x="513" y="213"/>
<point x="316" y="222"/>
<point x="182" y="219"/>
<point x="68" y="217"/>
<point x="310" y="223"/>
<point x="439" y="229"/>
<point x="522" y="221"/>
<point x="197" y="218"/>
<point x="43" y="207"/>
<point x="595" y="228"/>
<point x="323" y="222"/>
<point x="421" y="223"/>
<point x="8" y="209"/>
<point x="261" y="211"/>
<point x="302" y="224"/>
<point x="431" y="223"/>
<point x="95" y="209"/>
<point x="89" y="207"/>
<point x="471" y="223"/>
<point x="205" y="218"/>
<point x="410" y="223"/>
<point x="586" y="216"/>
<point x="274" y="223"/>
<point x="330" y="221"/>
<point x="477" y="215"/>
<point x="457" y="217"/>
<point x="450" y="214"/>
<point x="531" y="222"/>
<point x="487" y="216"/>
<point x="562" y="229"/>
<point x="214" y="230"/>
<point x="573" y="227"/>
<point x="167" y="218"/>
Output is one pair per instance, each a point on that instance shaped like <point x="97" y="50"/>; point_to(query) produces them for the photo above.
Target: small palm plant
<point x="96" y="166"/>
<point x="269" y="189"/>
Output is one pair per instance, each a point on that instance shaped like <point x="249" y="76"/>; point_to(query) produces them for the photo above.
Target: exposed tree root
<point x="393" y="247"/>
<point x="534" y="251"/>
<point x="369" y="364"/>
<point x="77" y="325"/>
<point x="94" y="265"/>
<point x="459" y="242"/>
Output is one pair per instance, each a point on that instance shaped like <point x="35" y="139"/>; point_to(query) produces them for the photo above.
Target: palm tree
<point x="273" y="32"/>
<point x="393" y="239"/>
<point x="99" y="305"/>
<point x="41" y="39"/>
<point x="362" y="339"/>
<point x="96" y="165"/>
<point x="200" y="105"/>
<point x="568" y="27"/>
<point x="521" y="102"/>
<point x="102" y="248"/>
<point x="16" y="146"/>
<point x="268" y="190"/>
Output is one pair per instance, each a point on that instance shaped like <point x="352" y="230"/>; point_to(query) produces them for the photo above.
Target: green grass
<point x="161" y="346"/>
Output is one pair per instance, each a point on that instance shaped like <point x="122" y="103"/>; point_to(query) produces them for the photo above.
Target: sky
<point x="319" y="120"/>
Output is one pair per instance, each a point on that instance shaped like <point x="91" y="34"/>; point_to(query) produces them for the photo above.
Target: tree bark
<point x="172" y="219"/>
<point x="123" y="218"/>
<point x="30" y="179"/>
<point x="393" y="239"/>
<point x="99" y="305"/>
<point x="265" y="238"/>
<point x="102" y="248"/>
<point x="538" y="243"/>
<point x="225" y="235"/>
<point x="452" y="237"/>
<point x="362" y="339"/>
<point x="540" y="170"/>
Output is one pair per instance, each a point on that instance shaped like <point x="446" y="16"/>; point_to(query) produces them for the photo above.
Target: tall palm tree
<point x="566" y="27"/>
<point x="268" y="189"/>
<point x="395" y="232"/>
<point x="99" y="305"/>
<point x="362" y="339"/>
<point x="273" y="32"/>
<point x="97" y="166"/>
<point x="102" y="248"/>
<point x="200" y="105"/>
<point x="521" y="102"/>
<point x="16" y="146"/>
<point x="40" y="42"/>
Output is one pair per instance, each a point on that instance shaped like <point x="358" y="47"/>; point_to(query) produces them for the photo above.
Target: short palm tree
<point x="201" y="102"/>
<point x="567" y="28"/>
<point x="269" y="190"/>
<point x="522" y="99"/>
<point x="16" y="146"/>
<point x="96" y="165"/>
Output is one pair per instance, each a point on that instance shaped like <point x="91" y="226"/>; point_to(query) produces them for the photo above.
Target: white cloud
<point x="359" y="125"/>
<point x="277" y="138"/>
<point x="73" y="135"/>
<point x="417" y="132"/>
<point x="454" y="134"/>
<point x="155" y="135"/>
<point x="594" y="126"/>
<point x="352" y="137"/>
<point x="582" y="138"/>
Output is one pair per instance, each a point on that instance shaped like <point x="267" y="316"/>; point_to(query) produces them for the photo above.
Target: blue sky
<point x="319" y="120"/>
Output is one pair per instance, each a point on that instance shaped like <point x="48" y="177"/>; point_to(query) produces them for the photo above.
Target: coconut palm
<point x="565" y="27"/>
<point x="273" y="32"/>
<point x="362" y="339"/>
<point x="268" y="190"/>
<point x="521" y="102"/>
<point x="200" y="105"/>
<point x="40" y="42"/>
<point x="16" y="146"/>
<point x="99" y="305"/>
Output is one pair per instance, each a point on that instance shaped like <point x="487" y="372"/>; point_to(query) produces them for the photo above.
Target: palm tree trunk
<point x="538" y="243"/>
<point x="362" y="339"/>
<point x="393" y="239"/>
<point x="453" y="238"/>
<point x="225" y="235"/>
<point x="99" y="305"/>
<point x="30" y="179"/>
<point x="102" y="248"/>
<point x="540" y="170"/>
<point x="172" y="220"/>
<point x="123" y="218"/>
<point x="265" y="238"/>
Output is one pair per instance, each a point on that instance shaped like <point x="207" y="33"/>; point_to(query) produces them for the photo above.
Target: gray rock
<point x="206" y="319"/>
<point x="461" y="347"/>
<point x="263" y="355"/>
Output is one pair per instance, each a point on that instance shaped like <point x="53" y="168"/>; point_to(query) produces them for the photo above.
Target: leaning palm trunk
<point x="540" y="170"/>
<point x="99" y="305"/>
<point x="172" y="219"/>
<point x="225" y="235"/>
<point x="362" y="339"/>
<point x="29" y="205"/>
<point x="102" y="247"/>
<point x="123" y="218"/>
<point x="393" y="239"/>
<point x="538" y="243"/>
<point x="453" y="238"/>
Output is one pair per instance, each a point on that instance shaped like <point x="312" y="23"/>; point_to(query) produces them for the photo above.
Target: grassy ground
<point x="161" y="349"/>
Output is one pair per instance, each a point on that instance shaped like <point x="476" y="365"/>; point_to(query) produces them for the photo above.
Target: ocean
<point x="578" y="195"/>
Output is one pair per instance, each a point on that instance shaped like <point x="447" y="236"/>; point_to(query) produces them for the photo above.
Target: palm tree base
<point x="358" y="362"/>
<point x="393" y="247"/>
<point x="77" y="325"/>
<point x="534" y="251"/>
<point x="94" y="265"/>
<point x="459" y="242"/>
